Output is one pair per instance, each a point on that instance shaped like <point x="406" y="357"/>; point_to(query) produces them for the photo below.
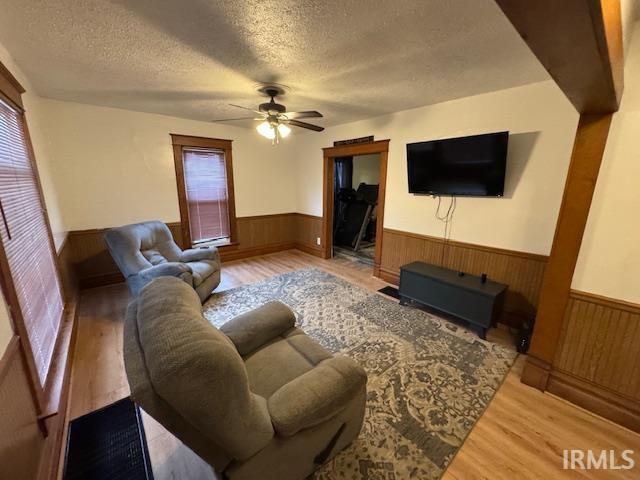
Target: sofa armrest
<point x="316" y="396"/>
<point x="167" y="269"/>
<point x="198" y="254"/>
<point x="255" y="328"/>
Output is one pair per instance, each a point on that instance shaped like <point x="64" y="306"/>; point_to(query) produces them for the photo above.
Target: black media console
<point x="455" y="293"/>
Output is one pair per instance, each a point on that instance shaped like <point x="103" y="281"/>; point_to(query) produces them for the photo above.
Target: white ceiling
<point x="190" y="58"/>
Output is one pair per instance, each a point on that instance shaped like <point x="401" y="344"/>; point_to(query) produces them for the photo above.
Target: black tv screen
<point x="471" y="166"/>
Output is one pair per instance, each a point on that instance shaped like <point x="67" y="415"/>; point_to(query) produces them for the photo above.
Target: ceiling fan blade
<point x="245" y="108"/>
<point x="306" y="125"/>
<point x="307" y="114"/>
<point x="233" y="119"/>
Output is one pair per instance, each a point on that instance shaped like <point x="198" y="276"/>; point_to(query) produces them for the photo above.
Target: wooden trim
<point x="182" y="197"/>
<point x="230" y="255"/>
<point x="475" y="246"/>
<point x="329" y="154"/>
<point x="200" y="142"/>
<point x="608" y="302"/>
<point x="180" y="142"/>
<point x="382" y="189"/>
<point x="378" y="146"/>
<point x="536" y="373"/>
<point x="588" y="149"/>
<point x="311" y="250"/>
<point x="327" y="207"/>
<point x="595" y="398"/>
<point x="268" y="215"/>
<point x="308" y="215"/>
<point x="389" y="276"/>
<point x="10" y="88"/>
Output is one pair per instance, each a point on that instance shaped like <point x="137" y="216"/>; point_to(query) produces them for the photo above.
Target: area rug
<point x="429" y="380"/>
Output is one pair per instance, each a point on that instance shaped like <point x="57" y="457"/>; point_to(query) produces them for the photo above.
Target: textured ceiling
<point x="190" y="58"/>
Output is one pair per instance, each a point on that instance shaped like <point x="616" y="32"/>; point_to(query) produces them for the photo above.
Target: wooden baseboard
<point x="536" y="373"/>
<point x="389" y="276"/>
<point x="227" y="255"/>
<point x="310" y="249"/>
<point x="601" y="401"/>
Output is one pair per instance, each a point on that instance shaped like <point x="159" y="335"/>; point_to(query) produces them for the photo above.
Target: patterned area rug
<point x="429" y="380"/>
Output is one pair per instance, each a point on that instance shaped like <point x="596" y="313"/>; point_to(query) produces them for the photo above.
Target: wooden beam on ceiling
<point x="579" y="42"/>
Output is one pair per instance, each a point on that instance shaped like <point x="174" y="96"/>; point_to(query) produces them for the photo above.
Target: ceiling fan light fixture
<point x="266" y="130"/>
<point x="283" y="130"/>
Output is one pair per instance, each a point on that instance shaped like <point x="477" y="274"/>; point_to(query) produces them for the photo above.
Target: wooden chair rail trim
<point x="606" y="301"/>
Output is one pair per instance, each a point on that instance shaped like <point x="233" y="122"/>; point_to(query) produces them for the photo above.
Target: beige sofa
<point x="257" y="399"/>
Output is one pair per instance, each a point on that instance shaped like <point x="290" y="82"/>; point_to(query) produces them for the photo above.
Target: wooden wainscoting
<point x="523" y="272"/>
<point x="92" y="262"/>
<point x="68" y="276"/>
<point x="93" y="266"/>
<point x="262" y="234"/>
<point x="308" y="231"/>
<point x="597" y="363"/>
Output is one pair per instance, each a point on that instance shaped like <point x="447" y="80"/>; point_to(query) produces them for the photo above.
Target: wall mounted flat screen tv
<point x="465" y="166"/>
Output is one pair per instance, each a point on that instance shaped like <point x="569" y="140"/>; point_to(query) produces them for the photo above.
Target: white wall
<point x="609" y="260"/>
<point x="116" y="166"/>
<point x="542" y="123"/>
<point x="366" y="169"/>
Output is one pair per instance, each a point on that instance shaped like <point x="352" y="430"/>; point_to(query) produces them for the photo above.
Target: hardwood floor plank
<point x="520" y="436"/>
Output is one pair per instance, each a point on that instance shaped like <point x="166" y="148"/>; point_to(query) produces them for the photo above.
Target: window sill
<point x="216" y="243"/>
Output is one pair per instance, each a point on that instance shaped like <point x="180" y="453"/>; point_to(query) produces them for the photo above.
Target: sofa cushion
<point x="281" y="361"/>
<point x="154" y="257"/>
<point x="197" y="370"/>
<point x="202" y="270"/>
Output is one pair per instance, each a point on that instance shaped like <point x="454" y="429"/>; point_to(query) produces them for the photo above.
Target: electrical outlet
<point x="318" y="240"/>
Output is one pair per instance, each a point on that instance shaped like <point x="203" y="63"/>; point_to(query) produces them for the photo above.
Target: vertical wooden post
<point x="588" y="149"/>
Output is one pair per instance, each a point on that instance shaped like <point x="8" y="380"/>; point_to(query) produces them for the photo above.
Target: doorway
<point x="356" y="182"/>
<point x="353" y="203"/>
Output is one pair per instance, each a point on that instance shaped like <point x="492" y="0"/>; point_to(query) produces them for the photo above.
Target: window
<point x="205" y="189"/>
<point x="31" y="282"/>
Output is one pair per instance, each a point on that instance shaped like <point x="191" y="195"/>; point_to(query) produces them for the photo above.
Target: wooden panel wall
<point x="21" y="441"/>
<point x="67" y="272"/>
<point x="92" y="265"/>
<point x="597" y="363"/>
<point x="523" y="272"/>
<point x="308" y="230"/>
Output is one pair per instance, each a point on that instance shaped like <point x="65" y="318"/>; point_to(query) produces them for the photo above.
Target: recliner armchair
<point x="145" y="251"/>
<point x="257" y="399"/>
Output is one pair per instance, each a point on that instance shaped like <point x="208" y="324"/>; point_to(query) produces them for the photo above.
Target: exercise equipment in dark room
<point x="355" y="212"/>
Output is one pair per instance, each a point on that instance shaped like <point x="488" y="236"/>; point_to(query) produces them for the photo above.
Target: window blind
<point x="25" y="237"/>
<point x="207" y="196"/>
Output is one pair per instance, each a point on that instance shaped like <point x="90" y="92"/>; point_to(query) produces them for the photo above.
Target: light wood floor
<point x="521" y="435"/>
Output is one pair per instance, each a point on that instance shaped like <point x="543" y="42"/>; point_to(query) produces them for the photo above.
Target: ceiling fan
<point x="274" y="118"/>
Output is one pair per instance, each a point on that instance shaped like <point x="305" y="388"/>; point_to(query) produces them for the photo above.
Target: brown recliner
<point x="256" y="399"/>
